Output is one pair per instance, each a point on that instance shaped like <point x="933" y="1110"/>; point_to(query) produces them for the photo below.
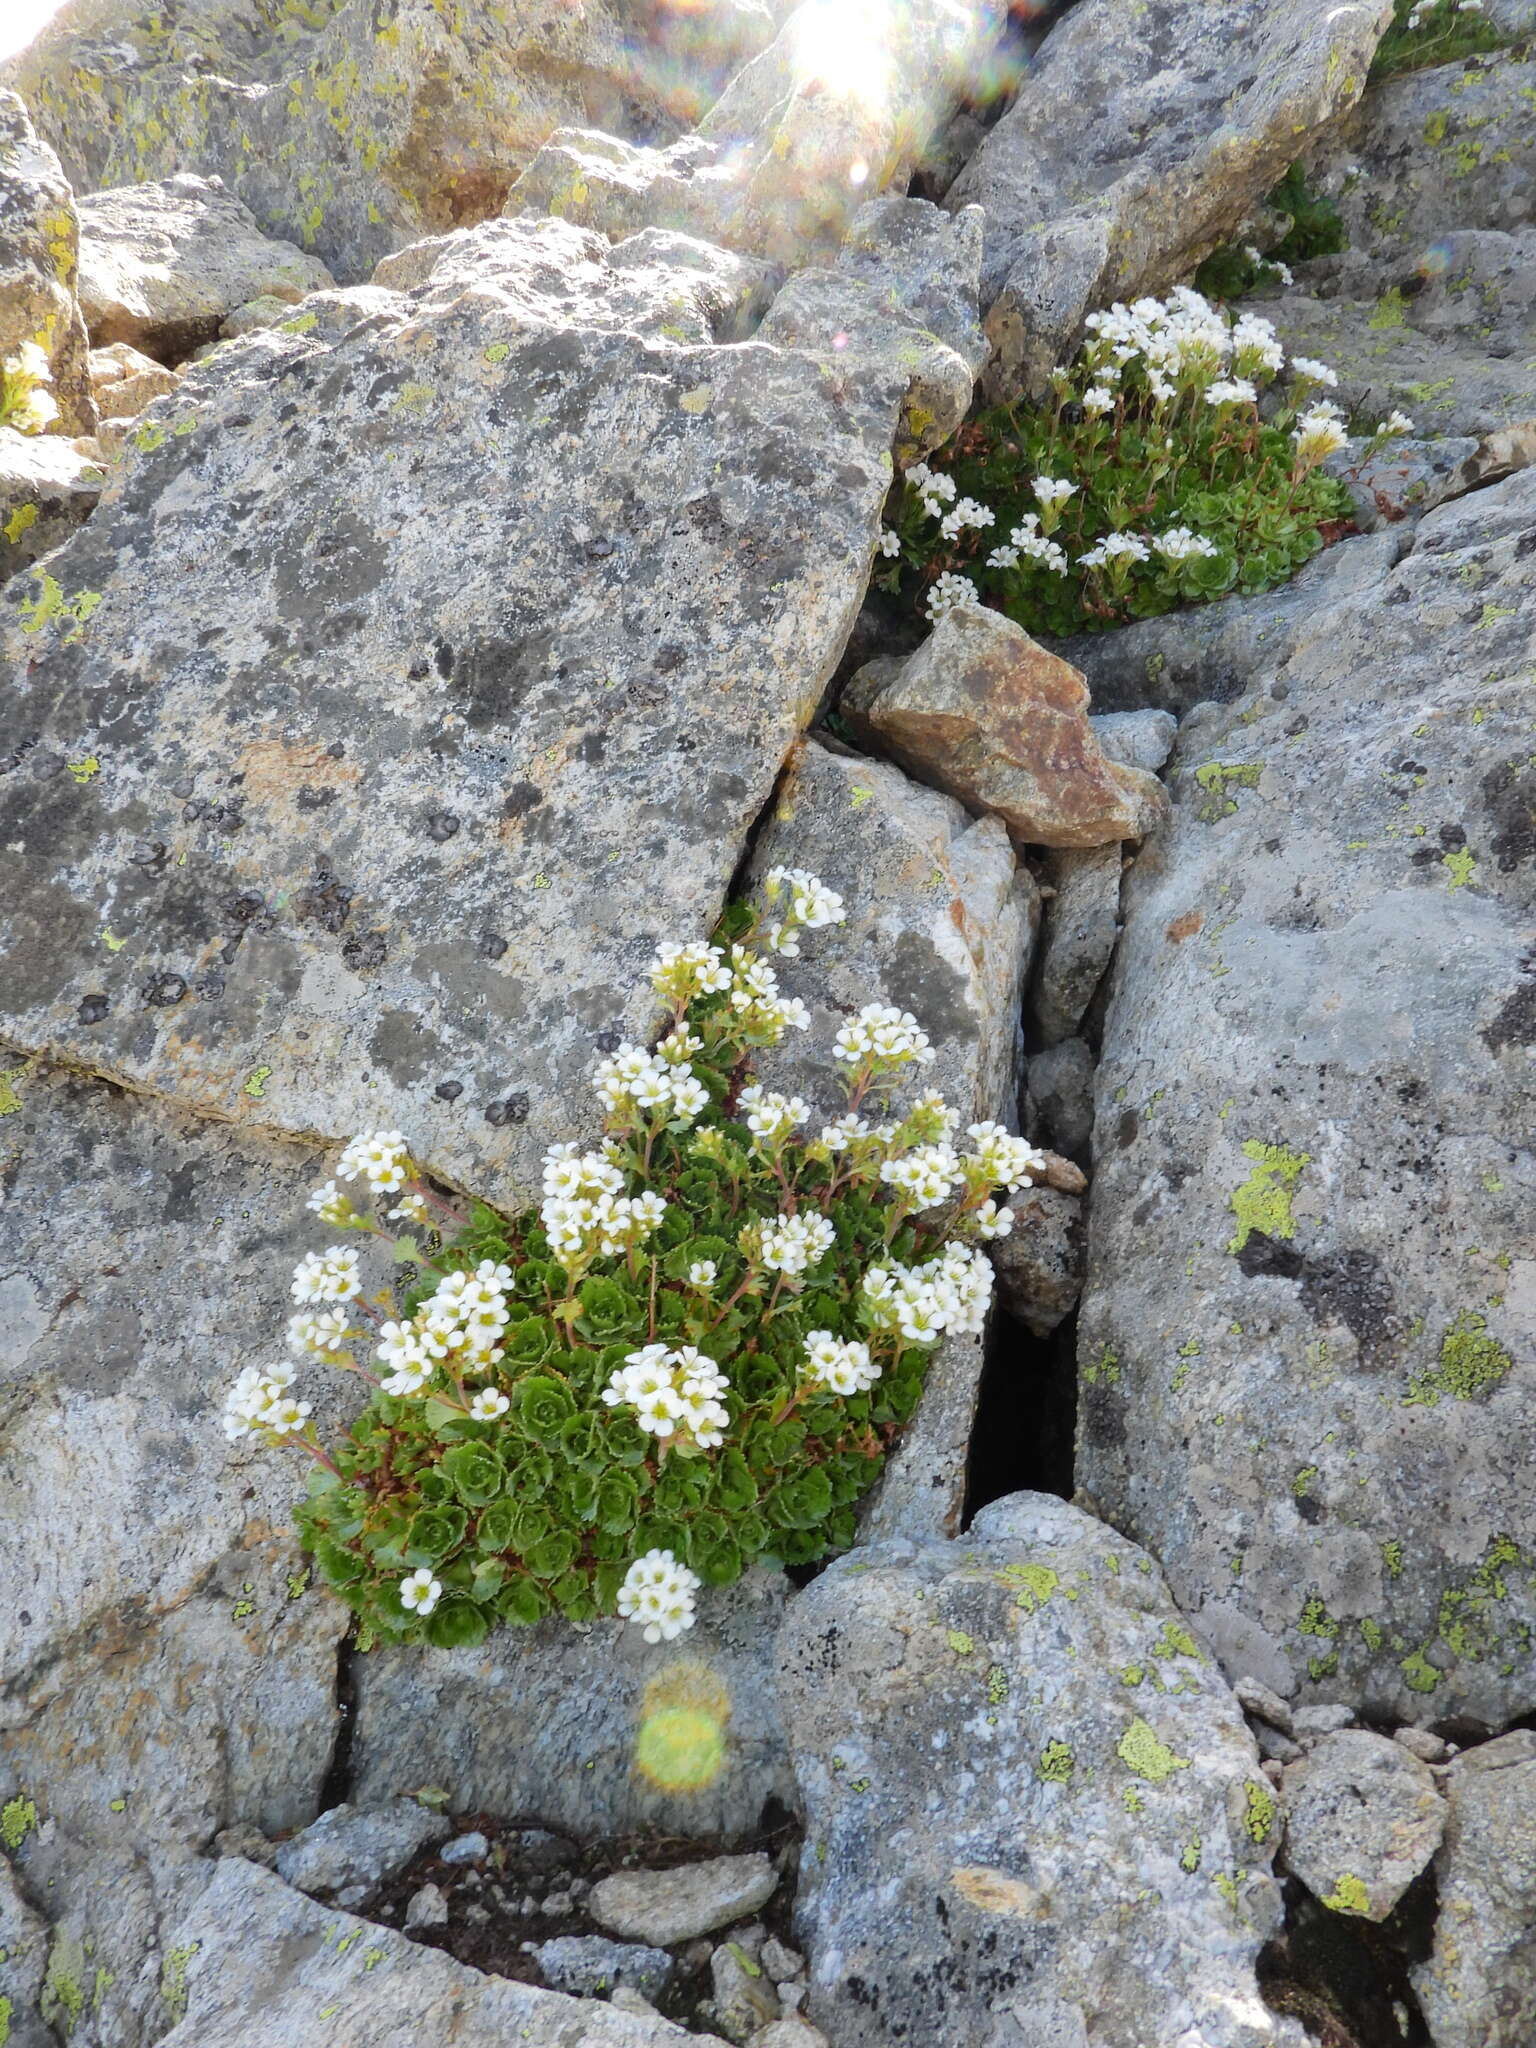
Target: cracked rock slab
<point x="39" y="254"/>
<point x="1028" y="1795"/>
<point x="400" y="858"/>
<point x="1311" y="1304"/>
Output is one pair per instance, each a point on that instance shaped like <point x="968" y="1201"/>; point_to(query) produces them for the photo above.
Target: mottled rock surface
<point x="1145" y="133"/>
<point x="1478" y="1987"/>
<point x="48" y="487"/>
<point x="1362" y="1819"/>
<point x="1027" y="1791"/>
<point x="588" y="1967"/>
<point x="579" y="591"/>
<point x="592" y="1728"/>
<point x="1077" y="936"/>
<point x="1311" y="1309"/>
<point x="39" y="251"/>
<point x="350" y="1845"/>
<point x="161" y="265"/>
<point x="348" y="1980"/>
<point x="941" y="922"/>
<point x="983" y="711"/>
<point x="1040" y="1263"/>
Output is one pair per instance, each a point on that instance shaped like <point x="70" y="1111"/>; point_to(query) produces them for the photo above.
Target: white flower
<point x="1231" y="391"/>
<point x="683" y="972"/>
<point x="657" y="1595"/>
<point x="929" y="1174"/>
<point x="382" y="1159"/>
<point x="952" y="593"/>
<point x="703" y="1274"/>
<point x="1312" y="372"/>
<point x="1003" y="1160"/>
<point x="812" y="905"/>
<point x="991" y="1221"/>
<point x="791" y="1244"/>
<point x="330" y="1204"/>
<point x="410" y="1209"/>
<point x="772" y="1117"/>
<point x="967" y="512"/>
<point x="884" y="1036"/>
<point x="1052" y="490"/>
<point x="1255" y="346"/>
<point x="488" y="1404"/>
<point x="889" y="542"/>
<point x="690" y="1098"/>
<point x="1319" y="434"/>
<point x="839" y="1136"/>
<point x="259" y="1402"/>
<point x="1398" y="422"/>
<point x="1179" y="544"/>
<point x="672" y="1393"/>
<point x="1114" y="548"/>
<point x="327" y="1331"/>
<point x="420" y="1592"/>
<point x="1097" y="400"/>
<point x="841" y="1367"/>
<point x="327" y="1276"/>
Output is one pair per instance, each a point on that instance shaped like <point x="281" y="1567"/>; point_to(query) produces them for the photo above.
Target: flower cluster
<point x="27" y="402"/>
<point x="695" y="1350"/>
<point x="658" y="1593"/>
<point x="1177" y="459"/>
<point x="672" y="1394"/>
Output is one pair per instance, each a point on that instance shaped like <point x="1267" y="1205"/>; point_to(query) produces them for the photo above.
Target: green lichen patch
<point x="1056" y="1765"/>
<point x="18" y="1817"/>
<point x="1419" y="1675"/>
<point x="962" y="1644"/>
<point x="1217" y="779"/>
<point x="1258" y="1811"/>
<point x="173" y="1979"/>
<point x="1263" y="1203"/>
<point x="1470" y="1363"/>
<point x="1349" y="1895"/>
<point x="1315" y="1620"/>
<point x="1142" y="1750"/>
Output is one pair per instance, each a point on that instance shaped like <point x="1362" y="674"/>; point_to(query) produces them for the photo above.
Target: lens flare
<point x="680" y="1742"/>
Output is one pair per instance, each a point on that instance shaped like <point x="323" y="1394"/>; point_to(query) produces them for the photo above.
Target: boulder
<point x="1136" y="739"/>
<point x="48" y="487"/>
<point x="1477" y="1988"/>
<point x="1362" y="1819"/>
<point x="163" y="265"/>
<point x="983" y="711"/>
<point x="1027" y="1793"/>
<point x="667" y="1906"/>
<point x="39" y="252"/>
<point x="592" y="1728"/>
<point x="1040" y="1263"/>
<point x="1310" y="1298"/>
<point x="744" y="1999"/>
<point x="589" y="1967"/>
<point x="940" y="921"/>
<point x="359" y="1847"/>
<point x="831" y="112"/>
<point x="352" y="135"/>
<point x="126" y="382"/>
<point x="1077" y="936"/>
<point x="1144" y="135"/>
<point x="401" y="860"/>
<point x="343" y="1979"/>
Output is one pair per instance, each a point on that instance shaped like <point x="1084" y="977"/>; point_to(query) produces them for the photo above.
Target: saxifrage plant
<point x="1164" y="471"/>
<point x="695" y="1352"/>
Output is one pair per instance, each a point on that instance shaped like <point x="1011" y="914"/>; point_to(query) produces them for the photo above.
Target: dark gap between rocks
<point x="1345" y="1978"/>
<point x="1024" y="1437"/>
<point x="337" y="1787"/>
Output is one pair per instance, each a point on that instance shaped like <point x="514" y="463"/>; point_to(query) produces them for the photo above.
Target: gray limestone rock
<point x="349" y="1980"/>
<point x="590" y="1727"/>
<point x="1059" y="1099"/>
<point x="986" y="713"/>
<point x="589" y="1967"/>
<point x="1040" y="1263"/>
<point x="1078" y="932"/>
<point x="1136" y="739"/>
<point x="353" y="135"/>
<point x="39" y="251"/>
<point x="745" y="2000"/>
<point x="663" y="1907"/>
<point x="1025" y="1786"/>
<point x="48" y="487"/>
<point x="577" y="593"/>
<point x="1362" y="1819"/>
<point x="1141" y="139"/>
<point x="163" y="265"/>
<point x="817" y="122"/>
<point x="1310" y="1307"/>
<point x="1478" y="1987"/>
<point x="1209" y="652"/>
<point x="426" y="1907"/>
<point x="940" y="921"/>
<point x="352" y="1845"/>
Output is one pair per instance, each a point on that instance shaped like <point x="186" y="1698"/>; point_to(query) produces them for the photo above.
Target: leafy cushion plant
<point x="696" y="1351"/>
<point x="1315" y="227"/>
<point x="1424" y="33"/>
<point x="1169" y="468"/>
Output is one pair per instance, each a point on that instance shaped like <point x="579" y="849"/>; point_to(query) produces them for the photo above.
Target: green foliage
<point x="1316" y="228"/>
<point x="1154" y="467"/>
<point x="1429" y="32"/>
